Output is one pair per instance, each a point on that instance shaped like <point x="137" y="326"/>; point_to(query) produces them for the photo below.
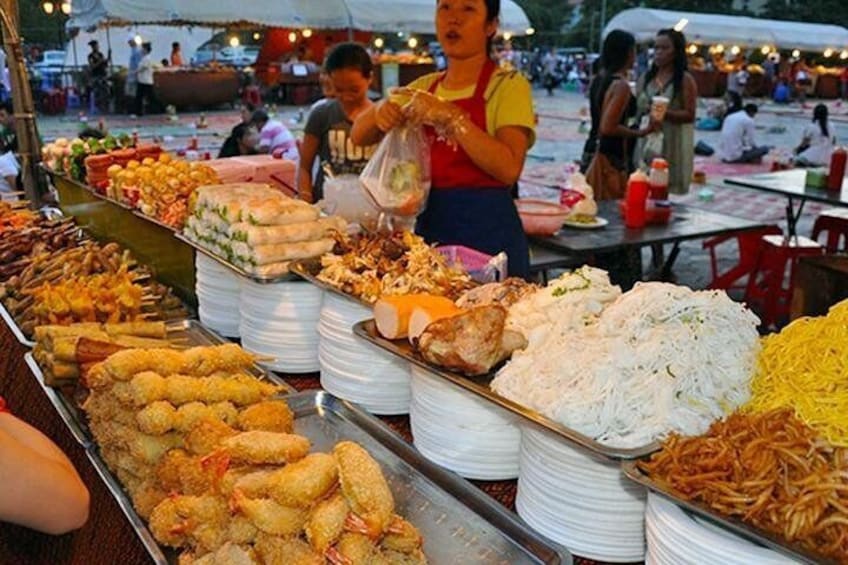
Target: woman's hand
<point x="425" y="108"/>
<point x="388" y="115"/>
<point x="653" y="126"/>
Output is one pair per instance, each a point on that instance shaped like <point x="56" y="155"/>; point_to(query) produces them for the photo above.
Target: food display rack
<point x="152" y="243"/>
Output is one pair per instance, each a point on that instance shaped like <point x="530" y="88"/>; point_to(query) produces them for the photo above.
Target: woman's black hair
<point x="618" y="45"/>
<point x="680" y="62"/>
<point x="230" y="148"/>
<point x="349" y="56"/>
<point x="820" y="116"/>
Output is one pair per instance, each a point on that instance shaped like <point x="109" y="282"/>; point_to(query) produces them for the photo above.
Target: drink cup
<point x="659" y="105"/>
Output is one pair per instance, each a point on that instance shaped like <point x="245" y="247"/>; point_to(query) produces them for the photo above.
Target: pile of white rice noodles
<point x="660" y="358"/>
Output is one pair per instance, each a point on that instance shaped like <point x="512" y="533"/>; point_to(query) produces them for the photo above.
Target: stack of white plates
<point x="280" y="321"/>
<point x="582" y="501"/>
<point x="218" y="291"/>
<point x="352" y="368"/>
<point x="676" y="537"/>
<point x="462" y="432"/>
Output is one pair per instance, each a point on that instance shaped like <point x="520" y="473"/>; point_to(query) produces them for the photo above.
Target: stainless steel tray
<point x="367" y="330"/>
<point x="191" y="331"/>
<point x="308" y="269"/>
<point x="754" y="534"/>
<point x="237" y="270"/>
<point x="15" y="329"/>
<point x="152" y="220"/>
<point x="460" y="523"/>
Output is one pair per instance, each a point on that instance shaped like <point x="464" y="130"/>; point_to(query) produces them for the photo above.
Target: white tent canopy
<point x="415" y="16"/>
<point x="160" y="37"/>
<point x="716" y="28"/>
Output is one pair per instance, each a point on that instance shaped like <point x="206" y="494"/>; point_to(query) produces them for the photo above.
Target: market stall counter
<point x="196" y="88"/>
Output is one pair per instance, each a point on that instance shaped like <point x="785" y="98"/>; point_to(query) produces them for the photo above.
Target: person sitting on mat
<point x="737" y="144"/>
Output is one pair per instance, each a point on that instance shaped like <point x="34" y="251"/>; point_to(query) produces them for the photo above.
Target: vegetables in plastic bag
<point x="397" y="177"/>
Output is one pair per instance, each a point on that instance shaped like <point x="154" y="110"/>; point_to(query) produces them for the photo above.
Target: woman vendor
<point x="481" y="124"/>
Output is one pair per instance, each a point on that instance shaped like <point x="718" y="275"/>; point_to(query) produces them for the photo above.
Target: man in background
<point x="737" y="144"/>
<point x="132" y="67"/>
<point x="144" y="76"/>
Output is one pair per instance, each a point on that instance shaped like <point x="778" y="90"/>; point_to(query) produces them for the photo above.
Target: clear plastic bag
<point x="397" y="177"/>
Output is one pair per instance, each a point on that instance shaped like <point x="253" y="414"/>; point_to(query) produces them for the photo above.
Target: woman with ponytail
<point x="817" y="143"/>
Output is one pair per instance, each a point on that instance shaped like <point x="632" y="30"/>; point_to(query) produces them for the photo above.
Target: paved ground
<point x="560" y="137"/>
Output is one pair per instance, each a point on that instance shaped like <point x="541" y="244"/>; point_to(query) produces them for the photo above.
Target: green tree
<point x="813" y="11"/>
<point x="39" y="28"/>
<point x="547" y="17"/>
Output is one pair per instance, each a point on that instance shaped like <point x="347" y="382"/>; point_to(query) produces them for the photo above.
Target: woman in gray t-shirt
<point x="327" y="132"/>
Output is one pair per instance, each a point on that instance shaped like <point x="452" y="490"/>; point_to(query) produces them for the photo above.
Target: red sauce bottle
<point x="636" y="199"/>
<point x="837" y="169"/>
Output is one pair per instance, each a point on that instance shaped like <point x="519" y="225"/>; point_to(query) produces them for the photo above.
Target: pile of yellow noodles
<point x="805" y="367"/>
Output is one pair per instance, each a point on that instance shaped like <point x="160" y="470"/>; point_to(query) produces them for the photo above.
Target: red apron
<point x="467" y="206"/>
<point x="451" y="167"/>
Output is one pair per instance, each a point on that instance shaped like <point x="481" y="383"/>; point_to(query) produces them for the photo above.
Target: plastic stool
<point x="749" y="249"/>
<point x="766" y="284"/>
<point x="834" y="223"/>
<point x="72" y="98"/>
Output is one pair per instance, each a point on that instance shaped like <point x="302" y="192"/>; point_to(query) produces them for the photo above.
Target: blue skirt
<point x="483" y="219"/>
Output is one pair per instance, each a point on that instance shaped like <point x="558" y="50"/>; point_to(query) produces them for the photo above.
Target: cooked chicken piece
<point x="504" y="293"/>
<point x="472" y="343"/>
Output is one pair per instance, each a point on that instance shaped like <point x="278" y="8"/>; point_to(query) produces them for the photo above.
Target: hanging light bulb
<point x="257" y="36"/>
<point x="66" y="8"/>
<point x="413" y="42"/>
<point x="735" y="50"/>
<point x="48" y="7"/>
<point x="292" y="37"/>
<point x="379" y="42"/>
<point x="507" y="36"/>
<point x="796" y="53"/>
<point x="693" y="49"/>
<point x="137" y="40"/>
<point x="719" y="48"/>
<point x="843" y="55"/>
<point x="234" y="41"/>
<point x="307" y="33"/>
<point x="765" y="50"/>
<point x="828" y="52"/>
<point x="681" y="25"/>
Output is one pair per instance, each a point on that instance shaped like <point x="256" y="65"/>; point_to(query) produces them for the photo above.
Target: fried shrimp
<point x="190" y="520"/>
<point x="303" y="482"/>
<point x="205" y="437"/>
<point x="269" y="516"/>
<point x="326" y="522"/>
<point x="402" y="537"/>
<point x="365" y="489"/>
<point x="277" y="550"/>
<point x="260" y="448"/>
<point x="270" y="415"/>
<point x="352" y="549"/>
<point x="148" y="387"/>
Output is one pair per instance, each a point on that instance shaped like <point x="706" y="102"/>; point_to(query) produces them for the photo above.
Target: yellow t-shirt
<point x="509" y="99"/>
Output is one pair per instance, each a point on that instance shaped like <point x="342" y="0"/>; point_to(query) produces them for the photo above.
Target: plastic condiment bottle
<point x="658" y="179"/>
<point x="837" y="169"/>
<point x="636" y="200"/>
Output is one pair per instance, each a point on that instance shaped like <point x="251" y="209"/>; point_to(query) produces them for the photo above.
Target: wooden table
<point x="617" y="248"/>
<point x="791" y="184"/>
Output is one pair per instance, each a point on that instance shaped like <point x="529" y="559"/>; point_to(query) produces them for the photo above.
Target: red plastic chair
<point x="749" y="249"/>
<point x="834" y="223"/>
<point x="766" y="290"/>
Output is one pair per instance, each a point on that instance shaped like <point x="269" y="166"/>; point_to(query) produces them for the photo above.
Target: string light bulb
<point x="828" y="52"/>
<point x="292" y="37"/>
<point x="796" y="53"/>
<point x="234" y="41"/>
<point x="413" y="42"/>
<point x="765" y="50"/>
<point x="307" y="33"/>
<point x="507" y="36"/>
<point x="48" y="7"/>
<point x="66" y="8"/>
<point x="843" y="55"/>
<point x="379" y="42"/>
<point x="530" y="31"/>
<point x="257" y="36"/>
<point x="735" y="50"/>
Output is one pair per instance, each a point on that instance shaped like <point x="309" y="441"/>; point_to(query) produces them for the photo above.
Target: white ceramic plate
<point x="598" y="223"/>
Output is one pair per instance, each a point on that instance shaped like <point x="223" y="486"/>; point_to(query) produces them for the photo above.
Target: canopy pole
<point x="23" y="106"/>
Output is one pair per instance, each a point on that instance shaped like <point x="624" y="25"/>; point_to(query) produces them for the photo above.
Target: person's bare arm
<point x="41" y="488"/>
<point x="370" y="126"/>
<point x="685" y="115"/>
<point x="614" y="106"/>
<point x="308" y="150"/>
